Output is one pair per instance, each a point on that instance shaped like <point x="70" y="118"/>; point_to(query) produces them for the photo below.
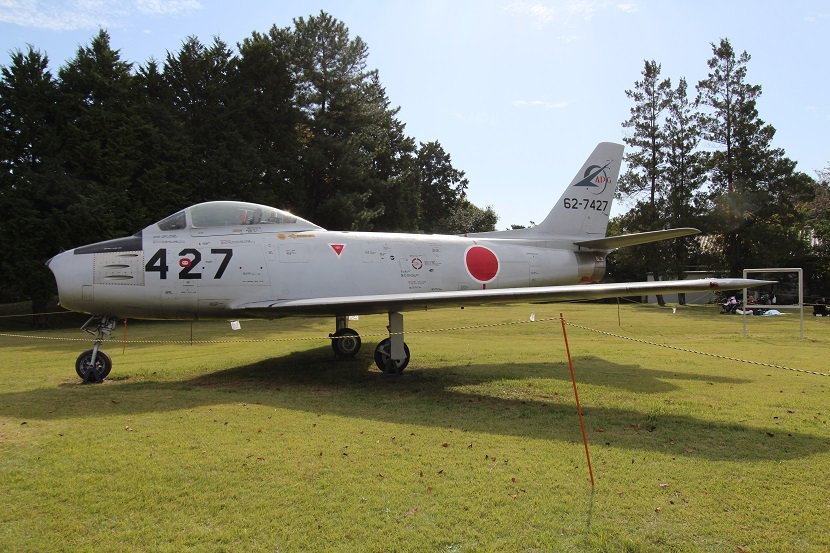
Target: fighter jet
<point x="229" y="259"/>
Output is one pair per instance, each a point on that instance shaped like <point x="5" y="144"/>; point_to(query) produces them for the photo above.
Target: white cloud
<point x="540" y="14"/>
<point x="167" y="7"/>
<point x="553" y="12"/>
<point x="545" y="13"/>
<point x="32" y="13"/>
<point x="68" y="15"/>
<point x="547" y="106"/>
<point x="817" y="18"/>
<point x="584" y="9"/>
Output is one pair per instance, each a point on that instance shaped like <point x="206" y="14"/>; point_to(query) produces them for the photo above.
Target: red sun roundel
<point x="482" y="263"/>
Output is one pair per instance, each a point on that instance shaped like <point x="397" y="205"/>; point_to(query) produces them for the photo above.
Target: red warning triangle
<point x="338" y="248"/>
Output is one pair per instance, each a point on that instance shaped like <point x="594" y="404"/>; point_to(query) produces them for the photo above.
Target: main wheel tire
<point x="345" y="342"/>
<point x="93" y="373"/>
<point x="384" y="361"/>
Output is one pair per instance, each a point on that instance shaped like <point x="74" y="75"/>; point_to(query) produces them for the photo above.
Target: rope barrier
<point x="687" y="350"/>
<point x="258" y="340"/>
<point x="29" y="315"/>
<point x="425" y="331"/>
<point x="53" y="338"/>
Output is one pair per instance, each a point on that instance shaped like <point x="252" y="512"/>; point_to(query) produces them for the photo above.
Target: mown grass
<point x="277" y="446"/>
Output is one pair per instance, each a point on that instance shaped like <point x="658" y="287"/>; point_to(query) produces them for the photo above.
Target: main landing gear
<point x="391" y="354"/>
<point x="94" y="365"/>
<point x="345" y="341"/>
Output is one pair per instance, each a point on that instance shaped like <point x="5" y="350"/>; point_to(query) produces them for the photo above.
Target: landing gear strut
<point x="94" y="365"/>
<point x="392" y="354"/>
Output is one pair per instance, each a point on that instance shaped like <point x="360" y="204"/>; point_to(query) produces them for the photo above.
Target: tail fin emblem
<point x="595" y="177"/>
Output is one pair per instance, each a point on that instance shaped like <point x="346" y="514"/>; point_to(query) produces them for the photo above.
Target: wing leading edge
<point x="364" y="305"/>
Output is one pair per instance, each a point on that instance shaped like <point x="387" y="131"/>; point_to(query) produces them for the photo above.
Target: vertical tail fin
<point x="584" y="207"/>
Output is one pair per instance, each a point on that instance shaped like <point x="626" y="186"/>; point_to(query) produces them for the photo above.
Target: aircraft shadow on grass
<point x="314" y="382"/>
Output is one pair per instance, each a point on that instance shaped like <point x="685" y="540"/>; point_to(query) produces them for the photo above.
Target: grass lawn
<point x="273" y="445"/>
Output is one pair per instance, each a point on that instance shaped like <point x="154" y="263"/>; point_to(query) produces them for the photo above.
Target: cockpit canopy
<point x="242" y="216"/>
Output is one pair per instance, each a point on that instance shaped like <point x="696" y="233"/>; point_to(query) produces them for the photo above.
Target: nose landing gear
<point x="94" y="365"/>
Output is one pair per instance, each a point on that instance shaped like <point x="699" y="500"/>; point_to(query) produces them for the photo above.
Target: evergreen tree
<point x="267" y="119"/>
<point x="34" y="197"/>
<point x="731" y="102"/>
<point x="645" y="157"/>
<point x="817" y="232"/>
<point x="391" y="157"/>
<point x="753" y="185"/>
<point x="685" y="176"/>
<point x="442" y="190"/>
<point x="199" y="78"/>
<point x="159" y="190"/>
<point x="100" y="143"/>
<point x="352" y="141"/>
<point x="645" y="161"/>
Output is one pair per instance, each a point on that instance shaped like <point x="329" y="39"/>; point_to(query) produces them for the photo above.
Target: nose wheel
<point x="94" y="365"/>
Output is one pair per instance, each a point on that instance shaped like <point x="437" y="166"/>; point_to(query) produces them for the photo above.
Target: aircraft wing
<point x="368" y="304"/>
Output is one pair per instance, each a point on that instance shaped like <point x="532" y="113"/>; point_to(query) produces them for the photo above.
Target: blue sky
<point x="517" y="91"/>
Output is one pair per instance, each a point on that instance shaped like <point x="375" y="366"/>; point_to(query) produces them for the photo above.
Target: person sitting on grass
<point x="820" y="308"/>
<point x="730" y="306"/>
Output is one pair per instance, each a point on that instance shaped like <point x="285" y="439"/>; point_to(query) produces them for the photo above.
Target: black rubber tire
<point x="383" y="358"/>
<point x="88" y="373"/>
<point x="345" y="342"/>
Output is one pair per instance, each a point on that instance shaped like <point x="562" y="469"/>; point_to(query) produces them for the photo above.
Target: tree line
<point x="705" y="159"/>
<point x="293" y="118"/>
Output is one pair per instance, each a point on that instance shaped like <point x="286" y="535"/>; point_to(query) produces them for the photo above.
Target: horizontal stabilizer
<point x="626" y="240"/>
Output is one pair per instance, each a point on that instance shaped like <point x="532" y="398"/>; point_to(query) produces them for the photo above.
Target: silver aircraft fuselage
<point x="212" y="272"/>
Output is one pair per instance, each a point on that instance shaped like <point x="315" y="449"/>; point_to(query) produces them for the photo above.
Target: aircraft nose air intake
<point x="71" y="273"/>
